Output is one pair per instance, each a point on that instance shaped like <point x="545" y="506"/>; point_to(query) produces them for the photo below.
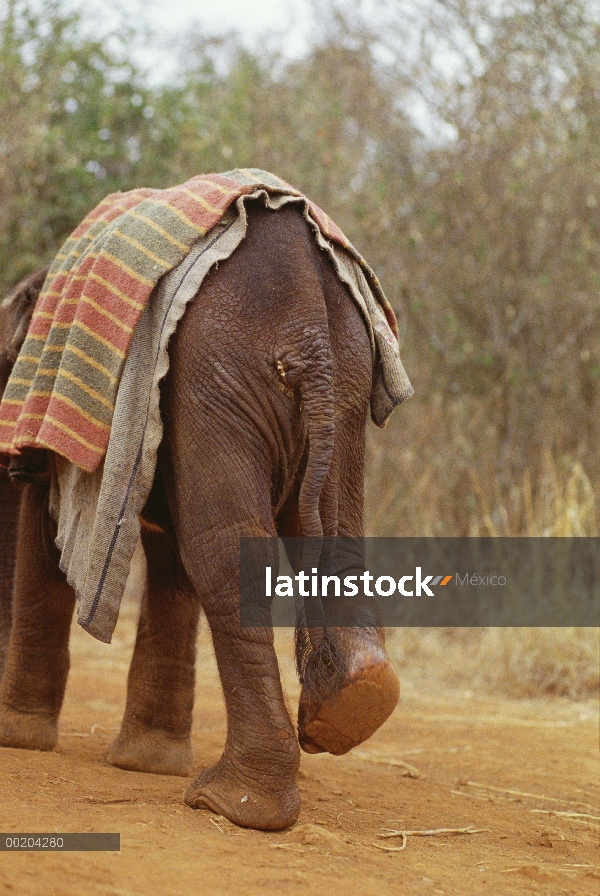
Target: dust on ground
<point x="522" y="774"/>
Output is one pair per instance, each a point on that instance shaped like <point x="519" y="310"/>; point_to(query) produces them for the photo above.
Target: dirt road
<point x="523" y="775"/>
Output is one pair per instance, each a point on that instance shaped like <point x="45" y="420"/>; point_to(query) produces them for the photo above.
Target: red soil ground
<point x="524" y="774"/>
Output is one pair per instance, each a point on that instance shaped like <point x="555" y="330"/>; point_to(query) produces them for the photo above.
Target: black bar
<point x="60" y="842"/>
<point x="429" y="582"/>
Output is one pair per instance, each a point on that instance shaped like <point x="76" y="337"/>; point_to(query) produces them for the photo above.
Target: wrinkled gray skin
<point x="264" y="411"/>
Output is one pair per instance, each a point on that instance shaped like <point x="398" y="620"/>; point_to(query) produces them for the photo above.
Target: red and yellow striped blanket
<point x="62" y="391"/>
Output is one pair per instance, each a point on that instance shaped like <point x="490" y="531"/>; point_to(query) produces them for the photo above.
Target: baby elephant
<point x="264" y="410"/>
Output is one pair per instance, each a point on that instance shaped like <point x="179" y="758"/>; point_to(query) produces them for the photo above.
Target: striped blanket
<point x="62" y="391"/>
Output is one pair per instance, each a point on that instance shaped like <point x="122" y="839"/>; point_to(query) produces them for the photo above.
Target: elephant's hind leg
<point x="155" y="734"/>
<point x="37" y="662"/>
<point x="254" y="782"/>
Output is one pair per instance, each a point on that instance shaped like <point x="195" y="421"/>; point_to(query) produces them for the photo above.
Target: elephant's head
<point x="15" y="316"/>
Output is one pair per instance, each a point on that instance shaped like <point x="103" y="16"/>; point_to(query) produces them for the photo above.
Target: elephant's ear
<point x="18" y="308"/>
<point x="15" y="316"/>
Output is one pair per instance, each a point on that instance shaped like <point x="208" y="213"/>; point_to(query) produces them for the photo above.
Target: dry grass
<point x="527" y="662"/>
<point x="430" y="473"/>
<point x="517" y="662"/>
<point x="563" y="504"/>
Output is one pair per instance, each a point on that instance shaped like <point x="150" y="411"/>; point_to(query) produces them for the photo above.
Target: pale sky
<point x="251" y="17"/>
<point x="254" y="19"/>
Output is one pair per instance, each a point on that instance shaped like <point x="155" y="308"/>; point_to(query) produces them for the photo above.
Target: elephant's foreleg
<point x="37" y="662"/>
<point x="155" y="734"/>
<point x="10" y="498"/>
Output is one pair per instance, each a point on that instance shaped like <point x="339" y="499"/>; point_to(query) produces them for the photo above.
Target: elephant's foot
<point x="151" y="750"/>
<point x="259" y="802"/>
<point x="27" y="731"/>
<point x="355" y="710"/>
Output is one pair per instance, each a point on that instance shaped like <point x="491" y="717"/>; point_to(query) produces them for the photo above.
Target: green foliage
<point x="503" y="252"/>
<point x="74" y="115"/>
